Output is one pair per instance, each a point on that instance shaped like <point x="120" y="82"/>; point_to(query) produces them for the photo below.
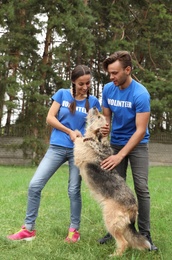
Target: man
<point x="126" y="106"/>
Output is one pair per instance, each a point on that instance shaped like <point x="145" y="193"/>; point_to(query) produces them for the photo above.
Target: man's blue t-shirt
<point x="73" y="121"/>
<point x="124" y="105"/>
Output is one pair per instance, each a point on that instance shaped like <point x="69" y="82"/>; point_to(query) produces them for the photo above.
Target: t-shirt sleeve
<point x="142" y="103"/>
<point x="97" y="104"/>
<point x="94" y="102"/>
<point x="104" y="99"/>
<point x="58" y="96"/>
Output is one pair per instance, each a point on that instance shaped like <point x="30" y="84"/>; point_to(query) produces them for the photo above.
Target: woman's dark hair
<point x="79" y="70"/>
<point x="123" y="56"/>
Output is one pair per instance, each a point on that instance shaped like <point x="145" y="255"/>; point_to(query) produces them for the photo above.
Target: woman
<point x="67" y="116"/>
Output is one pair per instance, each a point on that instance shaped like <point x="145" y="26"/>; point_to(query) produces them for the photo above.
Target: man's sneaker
<point x="105" y="239"/>
<point x="73" y="236"/>
<point x="23" y="234"/>
<point x="153" y="247"/>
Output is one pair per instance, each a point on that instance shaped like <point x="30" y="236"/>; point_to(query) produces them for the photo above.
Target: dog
<point x="117" y="200"/>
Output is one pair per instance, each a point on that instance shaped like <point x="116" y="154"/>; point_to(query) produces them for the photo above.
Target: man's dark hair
<point x="123" y="56"/>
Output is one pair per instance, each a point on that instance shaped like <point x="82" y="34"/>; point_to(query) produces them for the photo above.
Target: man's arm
<point x="142" y="120"/>
<point x="108" y="115"/>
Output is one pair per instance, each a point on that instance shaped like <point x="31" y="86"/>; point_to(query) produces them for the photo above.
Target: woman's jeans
<point x="139" y="161"/>
<point x="53" y="159"/>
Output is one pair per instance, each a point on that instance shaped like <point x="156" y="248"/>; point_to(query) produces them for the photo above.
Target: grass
<point x="53" y="219"/>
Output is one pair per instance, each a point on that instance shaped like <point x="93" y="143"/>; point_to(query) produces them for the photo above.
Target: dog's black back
<point x="109" y="184"/>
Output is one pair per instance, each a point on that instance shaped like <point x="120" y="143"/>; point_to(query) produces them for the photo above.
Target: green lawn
<point x="53" y="219"/>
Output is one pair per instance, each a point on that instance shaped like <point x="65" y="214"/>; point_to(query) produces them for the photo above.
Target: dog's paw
<point x="116" y="253"/>
<point x="113" y="255"/>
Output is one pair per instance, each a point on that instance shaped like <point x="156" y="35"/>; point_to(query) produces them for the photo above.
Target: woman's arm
<point x="54" y="122"/>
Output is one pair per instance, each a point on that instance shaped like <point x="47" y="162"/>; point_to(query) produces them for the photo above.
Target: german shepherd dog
<point x="118" y="202"/>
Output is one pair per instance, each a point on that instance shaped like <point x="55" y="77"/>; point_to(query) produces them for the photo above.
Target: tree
<point x="143" y="28"/>
<point x="77" y="32"/>
<point x="31" y="75"/>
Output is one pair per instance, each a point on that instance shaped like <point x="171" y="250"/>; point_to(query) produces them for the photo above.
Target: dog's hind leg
<point x="121" y="243"/>
<point x="116" y="221"/>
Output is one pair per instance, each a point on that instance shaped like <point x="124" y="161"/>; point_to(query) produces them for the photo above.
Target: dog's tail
<point x="135" y="239"/>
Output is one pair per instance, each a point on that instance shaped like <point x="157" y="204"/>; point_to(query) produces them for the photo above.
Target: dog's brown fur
<point x="107" y="187"/>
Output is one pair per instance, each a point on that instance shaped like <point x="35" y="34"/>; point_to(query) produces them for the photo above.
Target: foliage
<point x="41" y="42"/>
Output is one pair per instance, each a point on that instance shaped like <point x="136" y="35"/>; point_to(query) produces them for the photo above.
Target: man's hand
<point x="111" y="162"/>
<point x="105" y="130"/>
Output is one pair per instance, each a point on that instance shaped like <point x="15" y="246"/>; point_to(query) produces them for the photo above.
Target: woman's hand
<point x="74" y="134"/>
<point x="78" y="133"/>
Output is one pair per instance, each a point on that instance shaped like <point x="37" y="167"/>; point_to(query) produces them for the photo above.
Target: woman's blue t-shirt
<point x="124" y="105"/>
<point x="73" y="121"/>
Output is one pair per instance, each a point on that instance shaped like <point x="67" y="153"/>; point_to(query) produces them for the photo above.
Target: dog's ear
<point x="100" y="137"/>
<point x="98" y="134"/>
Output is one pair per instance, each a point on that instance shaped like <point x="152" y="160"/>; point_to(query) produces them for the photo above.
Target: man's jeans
<point x="53" y="159"/>
<point x="139" y="161"/>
